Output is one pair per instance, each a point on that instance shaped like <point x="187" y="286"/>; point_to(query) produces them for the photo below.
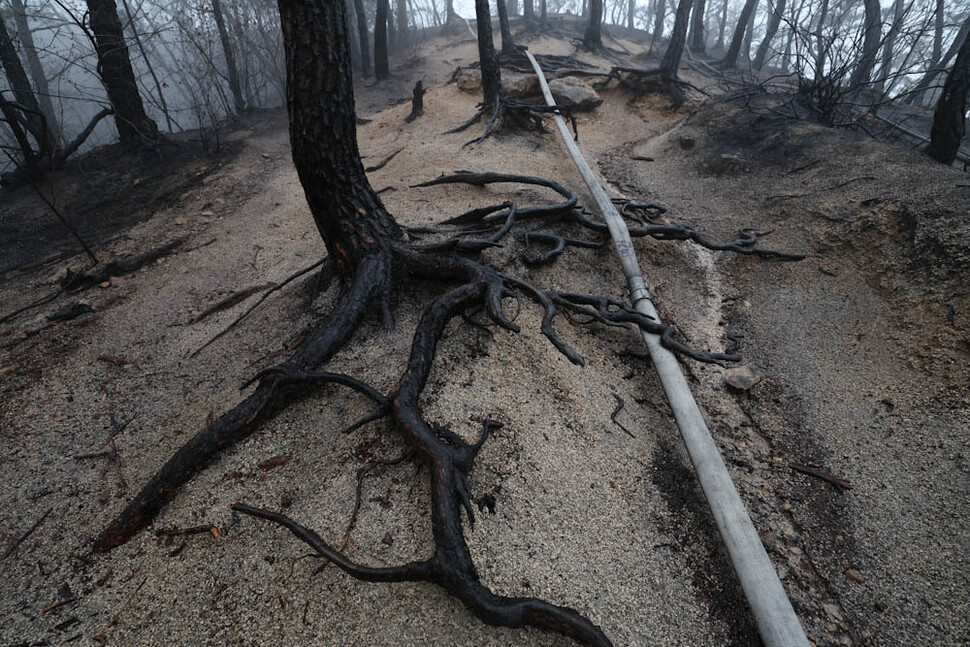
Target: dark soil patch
<point x="101" y="194"/>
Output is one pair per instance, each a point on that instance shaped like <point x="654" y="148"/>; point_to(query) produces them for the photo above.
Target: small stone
<point x="743" y="377"/>
<point x="180" y="221"/>
<point x="854" y="575"/>
<point x="387" y="540"/>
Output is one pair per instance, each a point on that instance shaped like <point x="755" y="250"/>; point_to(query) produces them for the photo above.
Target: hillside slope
<point x="864" y="348"/>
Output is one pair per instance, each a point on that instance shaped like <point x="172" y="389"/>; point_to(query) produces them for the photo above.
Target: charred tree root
<point x="450" y="459"/>
<point x="508" y="113"/>
<point x="641" y="82"/>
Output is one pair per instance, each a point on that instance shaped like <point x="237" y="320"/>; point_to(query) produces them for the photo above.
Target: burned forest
<point x="451" y="322"/>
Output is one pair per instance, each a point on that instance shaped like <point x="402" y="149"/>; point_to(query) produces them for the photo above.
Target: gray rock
<point x="571" y="92"/>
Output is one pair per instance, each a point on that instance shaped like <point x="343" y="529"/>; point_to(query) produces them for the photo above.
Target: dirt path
<point x="585" y="515"/>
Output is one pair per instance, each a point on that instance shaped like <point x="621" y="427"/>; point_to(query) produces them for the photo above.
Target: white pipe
<point x="773" y="612"/>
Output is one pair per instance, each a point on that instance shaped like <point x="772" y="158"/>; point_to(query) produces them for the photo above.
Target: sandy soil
<point x="864" y="347"/>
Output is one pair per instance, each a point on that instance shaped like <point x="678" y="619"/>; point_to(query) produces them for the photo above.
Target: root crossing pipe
<point x="773" y="612"/>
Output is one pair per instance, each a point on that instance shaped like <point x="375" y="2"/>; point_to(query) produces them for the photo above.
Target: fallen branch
<point x="74" y="282"/>
<point x="16" y="544"/>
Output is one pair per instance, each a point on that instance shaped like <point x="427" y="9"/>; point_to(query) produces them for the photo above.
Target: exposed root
<point x="471" y="285"/>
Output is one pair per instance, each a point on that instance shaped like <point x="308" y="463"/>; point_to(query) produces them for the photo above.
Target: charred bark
<point x="403" y="33"/>
<point x="508" y="45"/>
<point x="362" y="35"/>
<point x="593" y="37"/>
<point x="20" y="85"/>
<point x="37" y="74"/>
<point x="381" y="66"/>
<point x="773" y="23"/>
<point x="697" y="41"/>
<point x="870" y="46"/>
<point x="491" y="74"/>
<point x="675" y="50"/>
<point x="660" y="13"/>
<point x="949" y="119"/>
<point x="114" y="67"/>
<point x="737" y="40"/>
<point x="232" y="72"/>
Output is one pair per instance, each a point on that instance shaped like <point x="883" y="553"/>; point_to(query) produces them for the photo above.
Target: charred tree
<point x="774" y="21"/>
<point x="949" y="118"/>
<point x="381" y="66"/>
<point x="543" y="16"/>
<point x="737" y="40"/>
<point x="631" y="13"/>
<point x="134" y="126"/>
<point x="30" y="168"/>
<point x="29" y="109"/>
<point x="508" y="45"/>
<point x="660" y="13"/>
<point x="697" y="42"/>
<point x="37" y="74"/>
<point x="593" y="37"/>
<point x="491" y="74"/>
<point x="528" y="10"/>
<point x="889" y="46"/>
<point x="361" y="16"/>
<point x="232" y="72"/>
<point x="862" y="73"/>
<point x="722" y="26"/>
<point x="924" y="84"/>
<point x="675" y="50"/>
<point x="403" y="32"/>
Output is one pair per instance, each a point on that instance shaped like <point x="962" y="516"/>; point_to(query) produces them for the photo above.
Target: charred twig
<point x="839" y="483"/>
<point x="619" y="407"/>
<point x="22" y="538"/>
<point x="183" y="532"/>
<point x="32" y="305"/>
<point x="383" y="162"/>
<point x="262" y="298"/>
<point x="233" y="299"/>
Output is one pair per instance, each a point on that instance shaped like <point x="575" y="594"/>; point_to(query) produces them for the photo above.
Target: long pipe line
<point x="773" y="612"/>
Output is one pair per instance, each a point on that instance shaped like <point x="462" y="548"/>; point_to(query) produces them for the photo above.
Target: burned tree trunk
<point x="114" y="67"/>
<point x="697" y="43"/>
<point x="660" y="13"/>
<point x="232" y="72"/>
<point x="734" y="49"/>
<point x="723" y="25"/>
<point x="361" y="16"/>
<point x="593" y="38"/>
<point x="403" y="34"/>
<point x="37" y="74"/>
<point x="30" y="169"/>
<point x="631" y="14"/>
<point x="675" y="50"/>
<point x="528" y="10"/>
<point x="491" y="74"/>
<point x="508" y="45"/>
<point x="381" y="66"/>
<point x="870" y="46"/>
<point x="949" y="119"/>
<point x="30" y="110"/>
<point x="773" y="23"/>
